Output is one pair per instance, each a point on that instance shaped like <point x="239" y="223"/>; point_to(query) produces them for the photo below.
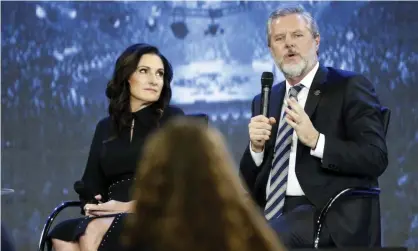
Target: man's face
<point x="292" y="45"/>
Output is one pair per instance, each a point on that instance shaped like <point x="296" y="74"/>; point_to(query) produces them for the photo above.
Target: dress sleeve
<point x="94" y="179"/>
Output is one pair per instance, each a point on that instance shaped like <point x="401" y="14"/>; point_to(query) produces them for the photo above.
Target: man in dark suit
<point x="325" y="134"/>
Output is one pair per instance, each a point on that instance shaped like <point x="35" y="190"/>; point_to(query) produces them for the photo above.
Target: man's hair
<point x="289" y="10"/>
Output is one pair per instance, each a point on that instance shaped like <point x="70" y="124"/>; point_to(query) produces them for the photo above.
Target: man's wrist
<point x="256" y="149"/>
<point x="314" y="143"/>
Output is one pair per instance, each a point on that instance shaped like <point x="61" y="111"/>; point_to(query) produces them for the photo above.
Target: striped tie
<point x="277" y="191"/>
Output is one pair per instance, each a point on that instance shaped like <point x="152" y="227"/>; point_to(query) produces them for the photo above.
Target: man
<point x="325" y="134"/>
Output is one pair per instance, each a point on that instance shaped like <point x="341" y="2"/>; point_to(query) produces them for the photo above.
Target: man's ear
<point x="317" y="41"/>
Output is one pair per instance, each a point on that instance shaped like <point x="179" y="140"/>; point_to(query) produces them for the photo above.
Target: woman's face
<point x="147" y="82"/>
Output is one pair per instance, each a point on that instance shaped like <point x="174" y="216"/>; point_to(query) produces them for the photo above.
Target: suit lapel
<point x="275" y="109"/>
<point x="315" y="91"/>
<point x="314" y="95"/>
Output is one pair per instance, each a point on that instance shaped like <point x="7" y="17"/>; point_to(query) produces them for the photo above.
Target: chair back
<point x="363" y="191"/>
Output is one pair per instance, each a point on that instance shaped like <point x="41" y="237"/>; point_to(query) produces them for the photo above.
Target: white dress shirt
<point x="293" y="187"/>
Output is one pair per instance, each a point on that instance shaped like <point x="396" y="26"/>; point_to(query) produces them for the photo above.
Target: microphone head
<point x="267" y="79"/>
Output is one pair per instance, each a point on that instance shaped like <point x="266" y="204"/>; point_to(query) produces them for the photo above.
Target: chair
<point x="50" y="220"/>
<point x="67" y="204"/>
<point x="348" y="191"/>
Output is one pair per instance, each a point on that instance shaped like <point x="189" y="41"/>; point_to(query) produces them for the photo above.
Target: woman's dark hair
<point x="118" y="88"/>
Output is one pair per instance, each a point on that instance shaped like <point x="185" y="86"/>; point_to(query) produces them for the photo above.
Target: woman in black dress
<point x="139" y="96"/>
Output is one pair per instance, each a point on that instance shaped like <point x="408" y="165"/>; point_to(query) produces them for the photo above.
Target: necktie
<point x="278" y="182"/>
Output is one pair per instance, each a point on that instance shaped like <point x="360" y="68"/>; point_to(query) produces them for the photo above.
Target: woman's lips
<point x="151" y="90"/>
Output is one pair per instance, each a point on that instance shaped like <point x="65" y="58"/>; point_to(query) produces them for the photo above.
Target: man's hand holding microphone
<point x="260" y="131"/>
<point x="260" y="125"/>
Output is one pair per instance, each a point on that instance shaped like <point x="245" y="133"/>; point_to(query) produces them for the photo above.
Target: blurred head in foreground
<point x="189" y="196"/>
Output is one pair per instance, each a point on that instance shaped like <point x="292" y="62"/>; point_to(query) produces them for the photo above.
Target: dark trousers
<point x="295" y="227"/>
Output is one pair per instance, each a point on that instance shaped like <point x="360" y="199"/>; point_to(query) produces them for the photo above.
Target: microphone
<point x="266" y="84"/>
<point x="84" y="192"/>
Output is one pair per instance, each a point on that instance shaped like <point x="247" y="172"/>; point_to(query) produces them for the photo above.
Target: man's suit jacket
<point x="344" y="107"/>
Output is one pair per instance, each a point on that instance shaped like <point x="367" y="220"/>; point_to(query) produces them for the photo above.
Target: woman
<point x="139" y="94"/>
<point x="189" y="197"/>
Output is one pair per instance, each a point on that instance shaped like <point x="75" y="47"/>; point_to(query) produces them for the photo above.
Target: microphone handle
<point x="265" y="100"/>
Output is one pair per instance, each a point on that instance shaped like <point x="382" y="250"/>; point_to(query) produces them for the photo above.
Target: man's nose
<point x="289" y="42"/>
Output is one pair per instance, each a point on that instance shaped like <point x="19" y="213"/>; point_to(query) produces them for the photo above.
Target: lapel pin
<point x="317" y="92"/>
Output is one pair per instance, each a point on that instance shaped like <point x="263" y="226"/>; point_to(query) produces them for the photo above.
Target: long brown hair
<point x="189" y="198"/>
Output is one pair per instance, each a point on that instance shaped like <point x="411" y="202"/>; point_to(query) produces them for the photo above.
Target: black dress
<point x="110" y="171"/>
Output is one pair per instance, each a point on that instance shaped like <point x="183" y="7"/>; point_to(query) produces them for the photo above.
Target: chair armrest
<point x="51" y="219"/>
<point x="342" y="194"/>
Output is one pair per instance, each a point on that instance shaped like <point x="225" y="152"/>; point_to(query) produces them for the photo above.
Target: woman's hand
<point x="110" y="207"/>
<point x="87" y="206"/>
